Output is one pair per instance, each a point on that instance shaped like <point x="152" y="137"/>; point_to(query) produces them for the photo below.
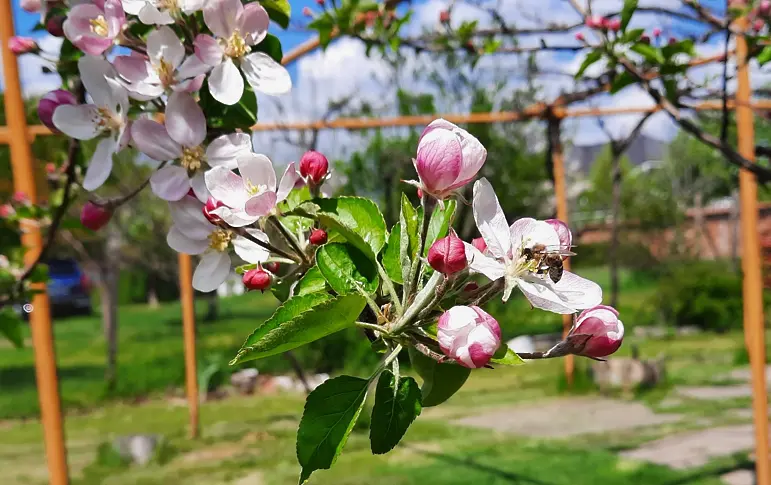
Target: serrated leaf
<point x="397" y="404"/>
<point x="622" y="80"/>
<point x="312" y="282"/>
<point x="331" y="411"/>
<point x="271" y="46"/>
<point x="626" y="13"/>
<point x="505" y="356"/>
<point x="590" y="59"/>
<point x="302" y="319"/>
<point x="439" y="226"/>
<point x="391" y="255"/>
<point x="359" y="220"/>
<point x="347" y="269"/>
<point x="408" y="238"/>
<point x="279" y="11"/>
<point x="440" y="381"/>
<point x="10" y="327"/>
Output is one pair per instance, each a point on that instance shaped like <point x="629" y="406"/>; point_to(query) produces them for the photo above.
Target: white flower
<point x="182" y="138"/>
<point x="164" y="68"/>
<point x="506" y="245"/>
<point x="160" y="12"/>
<point x="191" y="233"/>
<point x="251" y="195"/>
<point x="106" y="116"/>
<point x="237" y="27"/>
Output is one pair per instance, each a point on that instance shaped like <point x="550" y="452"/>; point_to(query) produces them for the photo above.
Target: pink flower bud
<point x="20" y="197"/>
<point x="272" y="267"/>
<point x="469" y="335"/>
<point x="48" y="104"/>
<point x="672" y="40"/>
<point x="307" y="12"/>
<point x="31" y="6"/>
<point x="320" y="3"/>
<point x="580" y="37"/>
<point x="563" y="232"/>
<point x="318" y="237"/>
<point x="758" y="25"/>
<point x="55" y="25"/>
<point x="22" y="45"/>
<point x="614" y="25"/>
<point x="645" y="39"/>
<point x="448" y="158"/>
<point x="314" y="166"/>
<point x="448" y="255"/>
<point x="606" y="330"/>
<point x="595" y="22"/>
<point x="444" y="16"/>
<point x="257" y="279"/>
<point x="657" y="32"/>
<point x="480" y="244"/>
<point x="210" y="206"/>
<point x="50" y="168"/>
<point x="94" y="217"/>
<point x="765" y="7"/>
<point x="420" y="193"/>
<point x="6" y="210"/>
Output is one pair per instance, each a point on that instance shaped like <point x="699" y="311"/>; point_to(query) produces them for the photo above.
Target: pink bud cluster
<point x="22" y="45"/>
<point x="599" y="22"/>
<point x="760" y="15"/>
<point x="468" y="335"/>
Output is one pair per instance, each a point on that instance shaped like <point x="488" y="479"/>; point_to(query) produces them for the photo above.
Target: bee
<point x="548" y="261"/>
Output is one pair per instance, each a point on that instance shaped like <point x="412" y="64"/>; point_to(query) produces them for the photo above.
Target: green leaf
<point x="441" y="221"/>
<point x="626" y="13"/>
<point x="359" y="220"/>
<point x="505" y="356"/>
<point x="622" y="80"/>
<point x="39" y="274"/>
<point x="331" y="411"/>
<point x="650" y="53"/>
<point x="408" y="239"/>
<point x="397" y="404"/>
<point x="324" y="25"/>
<point x="391" y="256"/>
<point x="590" y="59"/>
<point x="347" y="269"/>
<point x="10" y="327"/>
<point x="279" y="11"/>
<point x="765" y="55"/>
<point x="271" y="46"/>
<point x="312" y="282"/>
<point x="241" y="115"/>
<point x="684" y="46"/>
<point x="632" y="36"/>
<point x="440" y="381"/>
<point x="302" y="319"/>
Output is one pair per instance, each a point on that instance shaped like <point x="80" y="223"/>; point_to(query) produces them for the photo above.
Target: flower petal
<point x="265" y="74"/>
<point x="188" y="217"/>
<point x="225" y="83"/>
<point x="77" y="121"/>
<point x="132" y="68"/>
<point x="212" y="271"/>
<point x="93" y="72"/>
<point x="170" y="183"/>
<point x="250" y="251"/>
<point x="570" y="294"/>
<point x="253" y="23"/>
<point x="208" y="50"/>
<point x="226" y="187"/>
<point x="198" y="183"/>
<point x="163" y="44"/>
<point x="490" y="219"/>
<point x="133" y="6"/>
<point x="527" y="232"/>
<point x="152" y="139"/>
<point x="150" y="15"/>
<point x="224" y="150"/>
<point x="288" y="181"/>
<point x="220" y="16"/>
<point x="185" y="120"/>
<point x="234" y="218"/>
<point x="257" y="169"/>
<point x="191" y="67"/>
<point x="260" y="205"/>
<point x="180" y="243"/>
<point x="100" y="166"/>
<point x="480" y="263"/>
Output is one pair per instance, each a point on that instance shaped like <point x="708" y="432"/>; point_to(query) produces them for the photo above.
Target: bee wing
<point x="559" y="250"/>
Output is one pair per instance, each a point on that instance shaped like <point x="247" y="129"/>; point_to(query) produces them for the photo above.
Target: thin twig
<point x="289" y="237"/>
<point x="242" y="232"/>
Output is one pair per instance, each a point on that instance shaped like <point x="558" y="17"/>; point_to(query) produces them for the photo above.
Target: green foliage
<point x="397" y="404"/>
<point x="409" y="238"/>
<point x="505" y="356"/>
<point x="330" y="413"/>
<point x="591" y="58"/>
<point x="347" y="269"/>
<point x="440" y="381"/>
<point x="357" y="219"/>
<point x="279" y="11"/>
<point x="271" y="46"/>
<point x="10" y="327"/>
<point x="440" y="223"/>
<point x="631" y="254"/>
<point x="391" y="257"/>
<point x="626" y="13"/>
<point x="312" y="282"/>
<point x="240" y="116"/>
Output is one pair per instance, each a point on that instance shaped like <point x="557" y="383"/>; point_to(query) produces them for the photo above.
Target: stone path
<point x="739" y="477"/>
<point x="716" y="392"/>
<point x="744" y="374"/>
<point x="568" y="417"/>
<point x="696" y="448"/>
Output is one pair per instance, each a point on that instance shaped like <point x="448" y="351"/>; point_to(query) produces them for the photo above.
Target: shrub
<point x="632" y="255"/>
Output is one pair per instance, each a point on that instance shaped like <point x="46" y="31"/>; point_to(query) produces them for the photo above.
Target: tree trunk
<point x="735" y="220"/>
<point x="614" y="229"/>
<point x="213" y="307"/>
<point x="108" y="287"/>
<point x="298" y="370"/>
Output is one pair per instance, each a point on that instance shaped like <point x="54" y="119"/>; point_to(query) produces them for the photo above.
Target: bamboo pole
<point x="40" y="316"/>
<point x="188" y="323"/>
<point x="752" y="289"/>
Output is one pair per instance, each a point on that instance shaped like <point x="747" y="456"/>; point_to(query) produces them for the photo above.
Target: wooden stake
<point x="188" y="323"/>
<point x="40" y="316"/>
<point x="754" y="331"/>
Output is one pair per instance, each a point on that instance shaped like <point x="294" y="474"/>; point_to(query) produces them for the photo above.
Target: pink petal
<point x="490" y="219"/>
<point x="208" y="50"/>
<point x="226" y="187"/>
<point x="170" y="183"/>
<point x="132" y="68"/>
<point x="185" y="120"/>
<point x="152" y="139"/>
<point x="100" y="166"/>
<point x="192" y="67"/>
<point x="115" y="17"/>
<point x="180" y="243"/>
<point x="438" y="161"/>
<point x="288" y="181"/>
<point x="163" y="44"/>
<point x="211" y="272"/>
<point x="266" y="75"/>
<point x="258" y="170"/>
<point x="226" y="149"/>
<point x="225" y="83"/>
<point x="261" y="205"/>
<point x="254" y="23"/>
<point x="221" y="16"/>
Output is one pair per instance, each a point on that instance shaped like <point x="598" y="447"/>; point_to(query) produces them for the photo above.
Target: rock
<point x="523" y="343"/>
<point x="739" y="477"/>
<point x="245" y="380"/>
<point x="627" y="374"/>
<point x="138" y="449"/>
<point x="292" y="384"/>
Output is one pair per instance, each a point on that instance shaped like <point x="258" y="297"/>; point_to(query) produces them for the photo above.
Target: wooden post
<point x="40" y="316"/>
<point x="188" y="323"/>
<point x="560" y="196"/>
<point x="754" y="331"/>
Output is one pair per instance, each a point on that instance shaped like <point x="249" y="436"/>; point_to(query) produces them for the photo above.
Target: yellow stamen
<point x="165" y="72"/>
<point x="236" y="45"/>
<point x="108" y="120"/>
<point x="255" y="189"/>
<point x="170" y="6"/>
<point x="192" y="158"/>
<point x="99" y="26"/>
<point x="219" y="240"/>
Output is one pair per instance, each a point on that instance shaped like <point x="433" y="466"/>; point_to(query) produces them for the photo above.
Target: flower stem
<point x="289" y="237"/>
<point x="421" y="301"/>
<point x="389" y="286"/>
<point x="428" y="205"/>
<point x="372" y="326"/>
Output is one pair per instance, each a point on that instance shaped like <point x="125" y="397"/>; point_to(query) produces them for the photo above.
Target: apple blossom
<point x="764" y="7"/>
<point x="657" y="32"/>
<point x="448" y="158"/>
<point x="94" y="216"/>
<point x="307" y="12"/>
<point x="469" y="335"/>
<point x="448" y="255"/>
<point x="563" y="232"/>
<point x="614" y="25"/>
<point x="257" y="279"/>
<point x="595" y="22"/>
<point x="606" y="330"/>
<point x="191" y="233"/>
<point x="22" y="45"/>
<point x="165" y="67"/>
<point x="237" y="27"/>
<point x="106" y="116"/>
<point x="6" y="210"/>
<point x="210" y="205"/>
<point x="161" y="12"/>
<point x="20" y="197"/>
<point x="444" y="16"/>
<point x="251" y="195"/>
<point x="93" y="27"/>
<point x="48" y="104"/>
<point x="507" y="259"/>
<point x="50" y="168"/>
<point x="580" y="37"/>
<point x="318" y="237"/>
<point x="314" y="166"/>
<point x="31" y="6"/>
